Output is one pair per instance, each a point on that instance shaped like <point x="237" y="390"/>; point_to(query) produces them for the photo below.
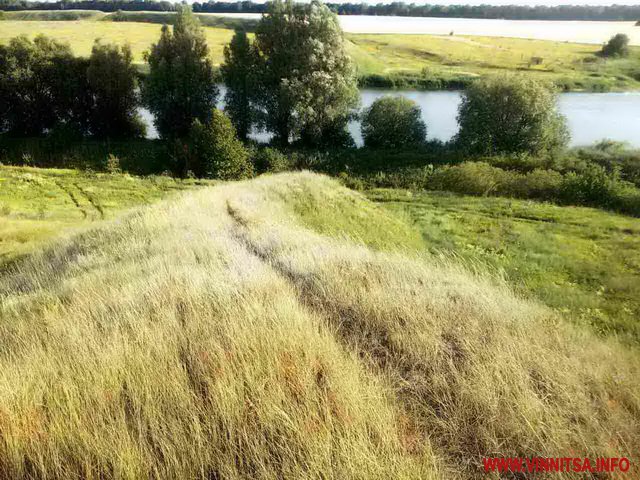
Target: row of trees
<point x="511" y="12"/>
<point x="293" y="79"/>
<point x="44" y="87"/>
<point x="498" y="115"/>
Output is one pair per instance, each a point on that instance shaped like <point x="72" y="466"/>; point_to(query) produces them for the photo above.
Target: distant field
<point x="582" y="262"/>
<point x="38" y="204"/>
<point x="449" y="58"/>
<point x="80" y="34"/>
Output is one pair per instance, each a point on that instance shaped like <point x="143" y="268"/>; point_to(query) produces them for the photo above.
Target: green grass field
<point x="450" y="58"/>
<point x="583" y="262"/>
<point x="38" y="204"/>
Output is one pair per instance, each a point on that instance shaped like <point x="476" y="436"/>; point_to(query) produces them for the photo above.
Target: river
<point x="557" y="30"/>
<point x="591" y="116"/>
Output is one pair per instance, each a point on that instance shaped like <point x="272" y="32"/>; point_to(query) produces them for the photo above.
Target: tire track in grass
<point x="73" y="198"/>
<point x="92" y="200"/>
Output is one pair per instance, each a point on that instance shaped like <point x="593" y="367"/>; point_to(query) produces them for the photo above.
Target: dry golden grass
<point x="213" y="336"/>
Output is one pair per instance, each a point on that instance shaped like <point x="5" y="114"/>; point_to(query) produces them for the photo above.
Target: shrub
<point x="271" y="160"/>
<point x="617" y="46"/>
<point x="540" y="183"/>
<point x="393" y="122"/>
<point x="474" y="178"/>
<point x="214" y="150"/>
<point x="113" y="164"/>
<point x="510" y="114"/>
<point x="593" y="186"/>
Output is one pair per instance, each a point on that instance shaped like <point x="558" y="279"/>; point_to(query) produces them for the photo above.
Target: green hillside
<point x="247" y="330"/>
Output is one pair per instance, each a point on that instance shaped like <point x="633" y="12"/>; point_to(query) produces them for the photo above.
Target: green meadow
<point x="391" y="59"/>
<point x="583" y="262"/>
<point x="38" y="204"/>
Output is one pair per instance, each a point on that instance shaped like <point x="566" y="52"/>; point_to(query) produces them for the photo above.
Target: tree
<point x="306" y="83"/>
<point x="617" y="46"/>
<point x="239" y="73"/>
<point x="393" y="122"/>
<point x="214" y="150"/>
<point x="180" y="86"/>
<point x="510" y="114"/>
<point x="42" y="85"/>
<point x="112" y="82"/>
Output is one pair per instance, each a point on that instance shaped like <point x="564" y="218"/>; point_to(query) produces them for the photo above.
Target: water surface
<point x="590" y="116"/>
<point x="558" y="30"/>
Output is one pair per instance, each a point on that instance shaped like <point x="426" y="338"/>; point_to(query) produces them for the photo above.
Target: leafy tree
<point x="112" y="81"/>
<point x="214" y="150"/>
<point x="306" y="83"/>
<point x="617" y="46"/>
<point x="239" y="73"/>
<point x="42" y="85"/>
<point x="180" y="86"/>
<point x="510" y="114"/>
<point x="393" y="122"/>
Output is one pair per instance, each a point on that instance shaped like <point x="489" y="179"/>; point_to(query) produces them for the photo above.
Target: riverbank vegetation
<point x="389" y="61"/>
<point x="512" y="141"/>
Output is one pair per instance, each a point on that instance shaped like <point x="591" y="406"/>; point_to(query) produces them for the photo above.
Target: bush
<point x="393" y="122"/>
<point x="541" y="184"/>
<point x="474" y="178"/>
<point x="271" y="160"/>
<point x="594" y="186"/>
<point x="510" y="114"/>
<point x="617" y="46"/>
<point x="113" y="164"/>
<point x="214" y="150"/>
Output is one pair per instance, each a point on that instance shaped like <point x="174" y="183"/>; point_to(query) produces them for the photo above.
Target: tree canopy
<point x="306" y="87"/>
<point x="617" y="46"/>
<point x="510" y="114"/>
<point x="240" y="77"/>
<point x="181" y="85"/>
<point x="393" y="122"/>
<point x="112" y="79"/>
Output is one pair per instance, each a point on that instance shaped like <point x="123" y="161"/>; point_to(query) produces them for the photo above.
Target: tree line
<point x="293" y="79"/>
<point x="509" y="12"/>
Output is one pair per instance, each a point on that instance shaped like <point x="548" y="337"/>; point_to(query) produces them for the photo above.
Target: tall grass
<point x="213" y="336"/>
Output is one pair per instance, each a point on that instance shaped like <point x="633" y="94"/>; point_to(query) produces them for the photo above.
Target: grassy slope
<point x="580" y="261"/>
<point x="446" y="57"/>
<point x="457" y="57"/>
<point x="213" y="336"/>
<point x="37" y="204"/>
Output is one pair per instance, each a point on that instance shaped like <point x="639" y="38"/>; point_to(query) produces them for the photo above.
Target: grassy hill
<point x="403" y="60"/>
<point x="286" y="327"/>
